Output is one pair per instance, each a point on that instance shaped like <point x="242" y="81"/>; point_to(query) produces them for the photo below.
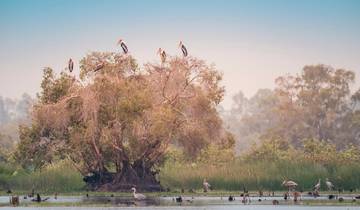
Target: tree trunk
<point x="132" y="175"/>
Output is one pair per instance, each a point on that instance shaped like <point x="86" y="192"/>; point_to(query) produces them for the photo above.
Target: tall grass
<point x="59" y="177"/>
<point x="258" y="175"/>
<point x="232" y="176"/>
<point x="6" y="170"/>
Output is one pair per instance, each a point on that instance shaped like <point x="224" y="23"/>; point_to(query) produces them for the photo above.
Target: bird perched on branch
<point x="183" y="49"/>
<point x="162" y="54"/>
<point x="123" y="46"/>
<point x="71" y="65"/>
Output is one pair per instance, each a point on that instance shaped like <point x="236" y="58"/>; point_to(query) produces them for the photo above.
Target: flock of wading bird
<point x="161" y="52"/>
<point x="245" y="196"/>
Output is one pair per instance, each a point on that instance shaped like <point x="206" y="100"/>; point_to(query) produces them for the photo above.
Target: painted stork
<point x="71" y="65"/>
<point x="137" y="196"/>
<point x="290" y="185"/>
<point x="123" y="46"/>
<point x="162" y="54"/>
<point x="183" y="49"/>
<point x="206" y="185"/>
<point x="329" y="185"/>
<point x="317" y="186"/>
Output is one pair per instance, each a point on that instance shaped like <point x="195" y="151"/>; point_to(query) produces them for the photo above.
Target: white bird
<point x="183" y="49"/>
<point x="71" y="65"/>
<point x="162" y="54"/>
<point x="138" y="196"/>
<point x="289" y="184"/>
<point x="317" y="186"/>
<point x="123" y="46"/>
<point x="206" y="185"/>
<point x="329" y="185"/>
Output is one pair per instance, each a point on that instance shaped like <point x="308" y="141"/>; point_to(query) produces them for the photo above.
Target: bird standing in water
<point x="206" y="185"/>
<point x="138" y="196"/>
<point x="291" y="185"/>
<point x="317" y="186"/>
<point x="329" y="185"/>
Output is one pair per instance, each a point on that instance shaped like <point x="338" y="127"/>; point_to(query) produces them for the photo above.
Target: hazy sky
<point x="251" y="42"/>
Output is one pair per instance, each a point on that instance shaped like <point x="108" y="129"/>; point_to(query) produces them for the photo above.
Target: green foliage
<point x="271" y="150"/>
<point x="265" y="167"/>
<point x="215" y="155"/>
<point x="27" y="154"/>
<point x="352" y="154"/>
<point x="59" y="177"/>
<point x="6" y="172"/>
<point x="54" y="88"/>
<point x="6" y="145"/>
<point x="320" y="151"/>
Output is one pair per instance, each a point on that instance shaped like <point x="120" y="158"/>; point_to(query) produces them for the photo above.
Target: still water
<point x="219" y="207"/>
<point x="188" y="203"/>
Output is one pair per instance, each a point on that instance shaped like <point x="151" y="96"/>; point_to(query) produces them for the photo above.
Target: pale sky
<point x="251" y="41"/>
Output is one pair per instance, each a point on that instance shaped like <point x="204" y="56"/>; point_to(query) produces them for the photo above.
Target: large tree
<point x="117" y="123"/>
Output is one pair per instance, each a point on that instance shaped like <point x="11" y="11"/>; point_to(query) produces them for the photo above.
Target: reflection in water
<point x="187" y="202"/>
<point x="220" y="207"/>
<point x="120" y="201"/>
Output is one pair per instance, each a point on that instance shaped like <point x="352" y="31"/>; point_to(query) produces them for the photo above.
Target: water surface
<point x="189" y="203"/>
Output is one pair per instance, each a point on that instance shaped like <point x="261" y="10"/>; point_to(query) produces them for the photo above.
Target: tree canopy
<point x="117" y="123"/>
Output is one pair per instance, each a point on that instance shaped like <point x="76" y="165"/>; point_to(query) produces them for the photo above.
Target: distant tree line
<point x="315" y="104"/>
<point x="14" y="109"/>
<point x="12" y="113"/>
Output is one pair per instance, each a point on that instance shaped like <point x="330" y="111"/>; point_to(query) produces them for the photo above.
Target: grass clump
<point x="58" y="177"/>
